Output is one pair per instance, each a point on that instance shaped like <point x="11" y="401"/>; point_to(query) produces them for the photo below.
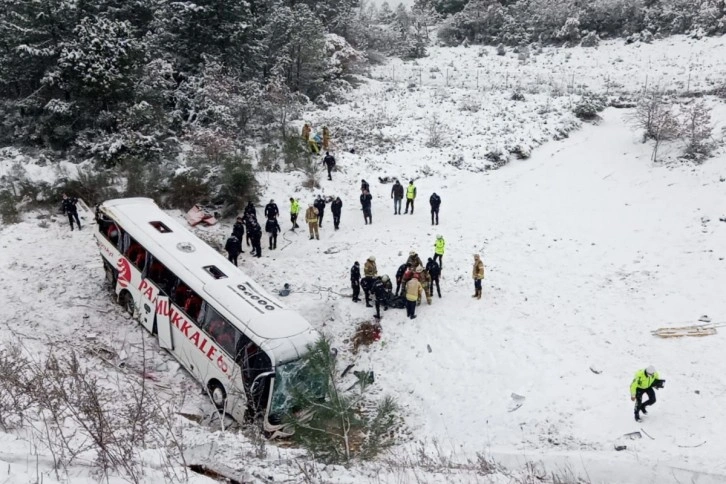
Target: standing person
<point x="355" y="281"/>
<point x="294" y="210"/>
<point x="397" y="196"/>
<point x="320" y="205"/>
<point x="425" y="280"/>
<point x="410" y="196"/>
<point x="414" y="260"/>
<point x="311" y="217"/>
<point x="326" y="138"/>
<point x="435" y="272"/>
<point x="233" y="249"/>
<point x="478" y="274"/>
<point x="435" y="202"/>
<point x="364" y="187"/>
<point x="271" y="210"/>
<point x="251" y="210"/>
<point x="272" y="228"/>
<point x="381" y="293"/>
<point x="69" y="208"/>
<point x="365" y="202"/>
<point x="644" y="382"/>
<point x="413" y="294"/>
<point x="255" y="233"/>
<point x="238" y="230"/>
<point x="336" y="207"/>
<point x="399" y="277"/>
<point x="306" y="130"/>
<point x="329" y="162"/>
<point x="370" y="271"/>
<point x="439" y="247"/>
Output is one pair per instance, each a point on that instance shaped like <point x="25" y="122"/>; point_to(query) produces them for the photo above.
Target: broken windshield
<point x="294" y="384"/>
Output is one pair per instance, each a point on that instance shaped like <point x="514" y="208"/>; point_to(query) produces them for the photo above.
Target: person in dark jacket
<point x="381" y="293"/>
<point x="69" y="208"/>
<point x="320" y="205"/>
<point x="399" y="277"/>
<point x="397" y="196"/>
<point x="238" y="230"/>
<point x="364" y="186"/>
<point x="255" y="233"/>
<point x="329" y="162"/>
<point x="336" y="207"/>
<point x="435" y="272"/>
<point x="248" y="221"/>
<point x="232" y="247"/>
<point x="365" y="202"/>
<point x="355" y="280"/>
<point x="435" y="202"/>
<point x="271" y="210"/>
<point x="251" y="210"/>
<point x="272" y="228"/>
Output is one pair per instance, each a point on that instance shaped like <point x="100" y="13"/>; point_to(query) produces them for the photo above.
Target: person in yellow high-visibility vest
<point x="439" y="246"/>
<point x="644" y="382"/>
<point x="410" y="196"/>
<point x="294" y="211"/>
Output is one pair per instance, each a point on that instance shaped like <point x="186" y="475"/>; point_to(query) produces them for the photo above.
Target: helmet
<point x="439" y="236"/>
<point x="412" y="253"/>
<point x="372" y="258"/>
<point x="385" y="278"/>
<point x="419" y="269"/>
<point x="650" y="370"/>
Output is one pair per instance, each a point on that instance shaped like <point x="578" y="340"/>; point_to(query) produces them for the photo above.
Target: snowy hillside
<point x="588" y="247"/>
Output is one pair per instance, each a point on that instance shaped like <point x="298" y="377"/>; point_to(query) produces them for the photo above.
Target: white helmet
<point x="372" y="258"/>
<point x="650" y="370"/>
<point x="385" y="278"/>
<point x="439" y="236"/>
<point x="412" y="253"/>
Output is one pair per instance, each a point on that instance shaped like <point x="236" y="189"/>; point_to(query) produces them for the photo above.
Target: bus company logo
<point x="124" y="272"/>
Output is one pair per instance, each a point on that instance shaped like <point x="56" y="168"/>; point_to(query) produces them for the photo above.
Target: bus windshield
<point x="293" y="379"/>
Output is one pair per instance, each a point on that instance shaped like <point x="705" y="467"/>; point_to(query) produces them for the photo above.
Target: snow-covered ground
<point x="588" y="246"/>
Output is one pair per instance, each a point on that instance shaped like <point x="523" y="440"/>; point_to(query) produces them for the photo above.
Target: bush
<point x="91" y="186"/>
<point x="237" y="185"/>
<point x="589" y="106"/>
<point x="9" y="212"/>
<point x="186" y="189"/>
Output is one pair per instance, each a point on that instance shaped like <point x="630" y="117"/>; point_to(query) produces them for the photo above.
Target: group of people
<point x="317" y="141"/>
<point x="315" y="213"/>
<point x="398" y="193"/>
<point x="248" y="222"/>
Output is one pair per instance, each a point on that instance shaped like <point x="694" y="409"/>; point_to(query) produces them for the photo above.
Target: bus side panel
<point x="163" y="327"/>
<point x="147" y="303"/>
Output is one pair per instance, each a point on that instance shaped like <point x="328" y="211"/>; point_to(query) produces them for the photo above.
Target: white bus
<point x="238" y="341"/>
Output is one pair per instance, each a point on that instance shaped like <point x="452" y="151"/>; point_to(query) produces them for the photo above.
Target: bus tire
<point x="217" y="394"/>
<point x="126" y="300"/>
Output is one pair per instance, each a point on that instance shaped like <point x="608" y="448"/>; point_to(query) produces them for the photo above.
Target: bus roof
<point x="280" y="331"/>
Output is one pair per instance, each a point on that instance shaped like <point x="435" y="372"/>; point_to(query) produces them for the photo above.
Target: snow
<point x="588" y="247"/>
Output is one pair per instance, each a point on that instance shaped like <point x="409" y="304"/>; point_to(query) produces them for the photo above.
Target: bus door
<point x="163" y="325"/>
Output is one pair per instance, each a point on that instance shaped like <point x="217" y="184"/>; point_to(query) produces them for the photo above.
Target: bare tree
<point x="696" y="130"/>
<point x="654" y="115"/>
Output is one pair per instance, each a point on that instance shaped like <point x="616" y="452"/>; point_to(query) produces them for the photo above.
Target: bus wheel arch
<point x="217" y="393"/>
<point x="111" y="274"/>
<point x="126" y="300"/>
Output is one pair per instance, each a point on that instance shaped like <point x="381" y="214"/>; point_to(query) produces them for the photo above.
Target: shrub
<point x="696" y="130"/>
<point x="186" y="189"/>
<point x="589" y="106"/>
<point x="237" y="185"/>
<point x="9" y="212"/>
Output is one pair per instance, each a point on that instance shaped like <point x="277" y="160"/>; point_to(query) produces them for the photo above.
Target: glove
<point x="632" y="399"/>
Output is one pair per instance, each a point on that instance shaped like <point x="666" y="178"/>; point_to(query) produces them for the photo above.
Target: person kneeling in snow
<point x="644" y="382"/>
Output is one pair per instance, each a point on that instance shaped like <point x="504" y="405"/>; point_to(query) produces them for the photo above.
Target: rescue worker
<point x="410" y="196"/>
<point x="238" y="230"/>
<point x="435" y="202"/>
<point x="271" y="210"/>
<point x="355" y="281"/>
<point x="478" y="274"/>
<point x="365" y="201"/>
<point x="397" y="196"/>
<point x="329" y="162"/>
<point x="425" y="280"/>
<point x="294" y="211"/>
<point x="232" y="247"/>
<point x="370" y="271"/>
<point x="326" y="138"/>
<point x="381" y="293"/>
<point x="399" y="277"/>
<point x="311" y="217"/>
<point x="336" y="207"/>
<point x="272" y="228"/>
<point x="413" y="294"/>
<point x="435" y="272"/>
<point x="439" y="247"/>
<point x="69" y="208"/>
<point x="414" y="260"/>
<point x="644" y="382"/>
<point x="255" y="233"/>
<point x="306" y="130"/>
<point x="320" y="205"/>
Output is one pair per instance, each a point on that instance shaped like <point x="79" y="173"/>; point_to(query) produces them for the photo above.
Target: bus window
<point x="219" y="329"/>
<point x="193" y="305"/>
<point x="109" y="230"/>
<point x="136" y="254"/>
<point x="160" y="275"/>
<point x="254" y="362"/>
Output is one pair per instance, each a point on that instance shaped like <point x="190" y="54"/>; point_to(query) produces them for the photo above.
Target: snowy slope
<point x="588" y="247"/>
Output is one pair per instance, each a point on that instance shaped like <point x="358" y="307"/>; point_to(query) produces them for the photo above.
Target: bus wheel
<point x="127" y="301"/>
<point x="217" y="394"/>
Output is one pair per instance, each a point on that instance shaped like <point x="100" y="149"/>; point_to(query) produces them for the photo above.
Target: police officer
<point x="69" y="208"/>
<point x="233" y="249"/>
<point x="329" y="162"/>
<point x="435" y="202"/>
<point x="255" y="233"/>
<point x="238" y="230"/>
<point x="272" y="228"/>
<point x="355" y="281"/>
<point x="294" y="210"/>
<point x="271" y="210"/>
<point x="439" y="247"/>
<point x="336" y="207"/>
<point x="410" y="196"/>
<point x="381" y="293"/>
<point x="644" y="382"/>
<point x="434" y="272"/>
<point x="320" y="205"/>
